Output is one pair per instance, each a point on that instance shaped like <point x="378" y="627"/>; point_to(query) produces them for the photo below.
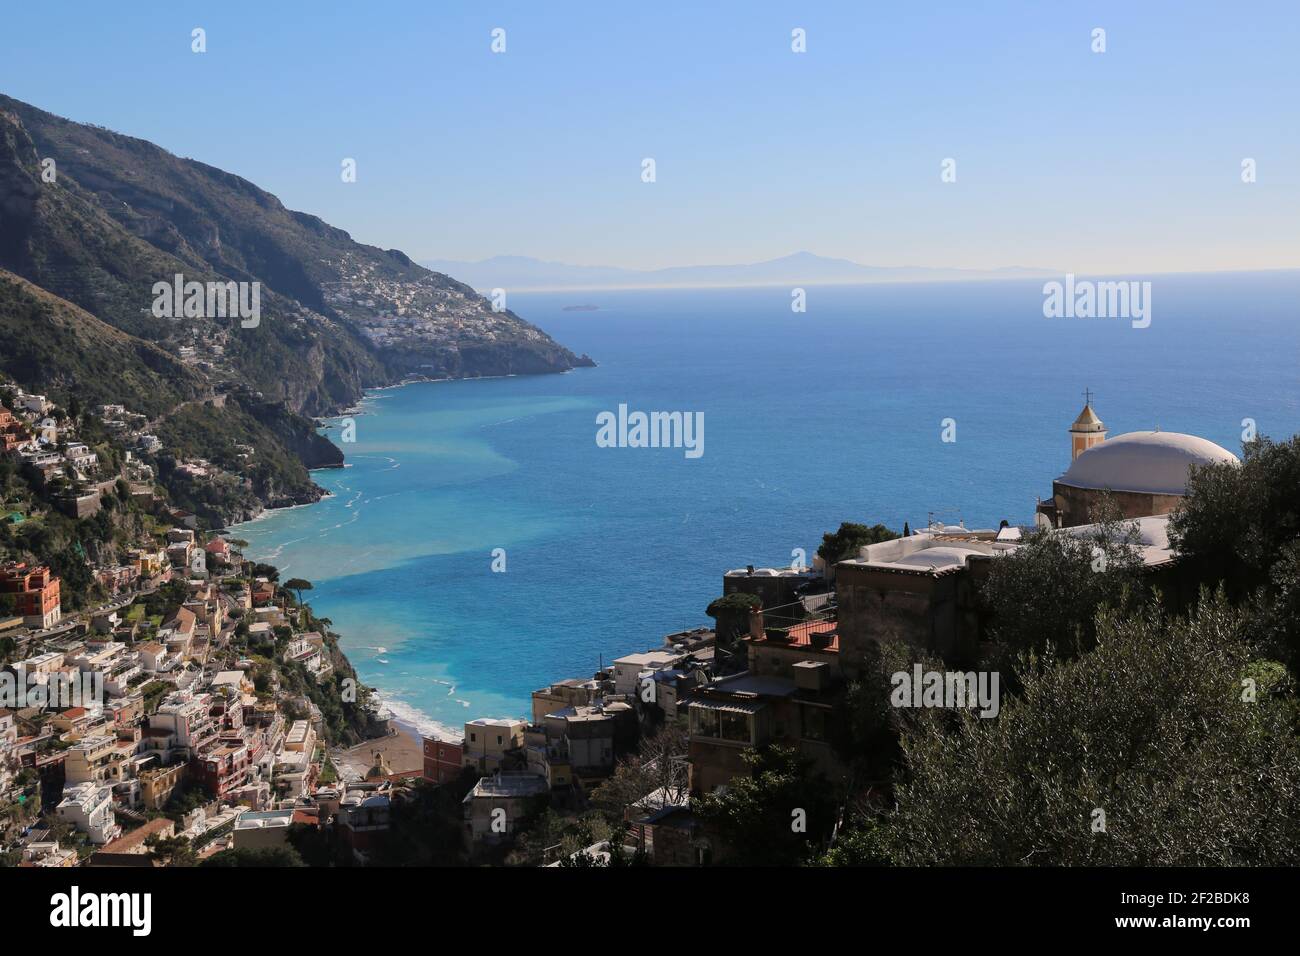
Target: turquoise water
<point x="810" y="419"/>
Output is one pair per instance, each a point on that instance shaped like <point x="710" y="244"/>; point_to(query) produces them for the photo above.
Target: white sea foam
<point x="419" y="721"/>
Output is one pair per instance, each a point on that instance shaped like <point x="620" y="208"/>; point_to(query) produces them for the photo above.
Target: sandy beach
<point x="403" y="750"/>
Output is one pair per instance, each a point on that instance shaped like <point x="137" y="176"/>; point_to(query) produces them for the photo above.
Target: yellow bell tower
<point x="1087" y="430"/>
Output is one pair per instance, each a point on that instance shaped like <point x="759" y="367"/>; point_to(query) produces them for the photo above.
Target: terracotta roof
<point x="183" y="619"/>
<point x="801" y="634"/>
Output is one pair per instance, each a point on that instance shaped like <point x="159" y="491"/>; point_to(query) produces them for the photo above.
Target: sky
<point x="1124" y="161"/>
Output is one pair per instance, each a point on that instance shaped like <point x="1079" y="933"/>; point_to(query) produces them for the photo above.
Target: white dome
<point x="939" y="557"/>
<point x="1146" y="462"/>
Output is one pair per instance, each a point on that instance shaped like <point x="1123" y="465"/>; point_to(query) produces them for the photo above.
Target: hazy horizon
<point x="1117" y="162"/>
<point x="480" y="275"/>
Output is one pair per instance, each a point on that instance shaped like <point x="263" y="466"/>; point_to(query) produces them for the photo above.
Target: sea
<point x="480" y="543"/>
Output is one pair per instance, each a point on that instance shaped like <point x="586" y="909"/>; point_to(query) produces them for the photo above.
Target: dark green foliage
<point x="730" y="615"/>
<point x="186" y="799"/>
<point x="1236" y="520"/>
<point x="426" y="825"/>
<point x="1049" y="590"/>
<point x="864" y="727"/>
<point x="1276" y="609"/>
<point x="845" y="543"/>
<point x="272" y="856"/>
<point x="55" y="348"/>
<point x="1240" y="525"/>
<point x="754" y="819"/>
<point x="318" y="846"/>
<point x="863" y="844"/>
<point x="277" y="476"/>
<point x="345" y="719"/>
<point x="154" y="692"/>
<point x="616" y="855"/>
<point x="1150" y="727"/>
<point x="172" y="851"/>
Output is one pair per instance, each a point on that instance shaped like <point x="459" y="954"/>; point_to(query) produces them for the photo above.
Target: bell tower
<point x="1087" y="430"/>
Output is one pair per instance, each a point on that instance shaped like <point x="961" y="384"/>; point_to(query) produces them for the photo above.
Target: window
<point x="498" y="740"/>
<point x="723" y="724"/>
<point x="814" y="723"/>
<point x="735" y="726"/>
<point x="704" y="722"/>
<point x="473" y="737"/>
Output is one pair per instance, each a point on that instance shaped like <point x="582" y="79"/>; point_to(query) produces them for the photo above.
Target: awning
<point x="728" y="706"/>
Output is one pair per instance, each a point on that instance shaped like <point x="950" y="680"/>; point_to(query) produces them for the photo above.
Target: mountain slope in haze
<point x="802" y="268"/>
<point x="337" y="316"/>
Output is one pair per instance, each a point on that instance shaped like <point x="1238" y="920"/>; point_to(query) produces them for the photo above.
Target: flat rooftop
<point x="507" y="785"/>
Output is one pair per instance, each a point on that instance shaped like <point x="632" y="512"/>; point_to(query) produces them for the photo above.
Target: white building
<point x="32" y="403"/>
<point x="183" y="722"/>
<point x="89" y="807"/>
<point x="264" y="828"/>
<point x="628" y="670"/>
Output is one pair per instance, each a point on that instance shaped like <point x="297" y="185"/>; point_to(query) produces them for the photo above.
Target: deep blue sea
<point x="811" y="419"/>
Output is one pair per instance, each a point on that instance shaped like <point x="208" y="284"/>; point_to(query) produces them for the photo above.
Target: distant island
<point x="522" y="273"/>
<point x="582" y="308"/>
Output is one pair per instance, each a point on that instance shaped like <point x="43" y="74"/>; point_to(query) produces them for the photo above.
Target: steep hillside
<point x="342" y="315"/>
<point x="52" y="347"/>
<point x="59" y="236"/>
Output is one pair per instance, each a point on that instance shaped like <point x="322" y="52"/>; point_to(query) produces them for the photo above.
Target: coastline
<point x="416" y="722"/>
<point x="279" y="509"/>
<point x="412" y="724"/>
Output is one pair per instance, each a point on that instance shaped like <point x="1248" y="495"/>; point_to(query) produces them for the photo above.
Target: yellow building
<point x="488" y="739"/>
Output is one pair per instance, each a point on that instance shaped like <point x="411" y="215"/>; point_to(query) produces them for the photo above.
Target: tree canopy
<point x="1150" y="750"/>
<point x="777" y="814"/>
<point x="838" y="545"/>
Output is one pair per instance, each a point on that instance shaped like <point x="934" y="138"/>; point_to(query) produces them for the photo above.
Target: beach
<point x="403" y="750"/>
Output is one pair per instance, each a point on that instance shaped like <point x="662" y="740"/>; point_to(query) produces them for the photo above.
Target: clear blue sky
<point x="1122" y="161"/>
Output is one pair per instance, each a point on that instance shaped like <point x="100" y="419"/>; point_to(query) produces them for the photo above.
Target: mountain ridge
<point x="342" y="316"/>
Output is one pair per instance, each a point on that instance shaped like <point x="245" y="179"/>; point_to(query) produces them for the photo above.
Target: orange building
<point x="36" y="593"/>
<point x="12" y="431"/>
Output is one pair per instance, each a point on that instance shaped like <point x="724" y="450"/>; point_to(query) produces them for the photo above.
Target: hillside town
<point x="422" y="312"/>
<point x="160" y="686"/>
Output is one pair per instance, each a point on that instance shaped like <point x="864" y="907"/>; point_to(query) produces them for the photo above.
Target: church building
<point x="1145" y="473"/>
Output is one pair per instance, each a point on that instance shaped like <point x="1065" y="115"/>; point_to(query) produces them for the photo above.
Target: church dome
<point x="1145" y="462"/>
